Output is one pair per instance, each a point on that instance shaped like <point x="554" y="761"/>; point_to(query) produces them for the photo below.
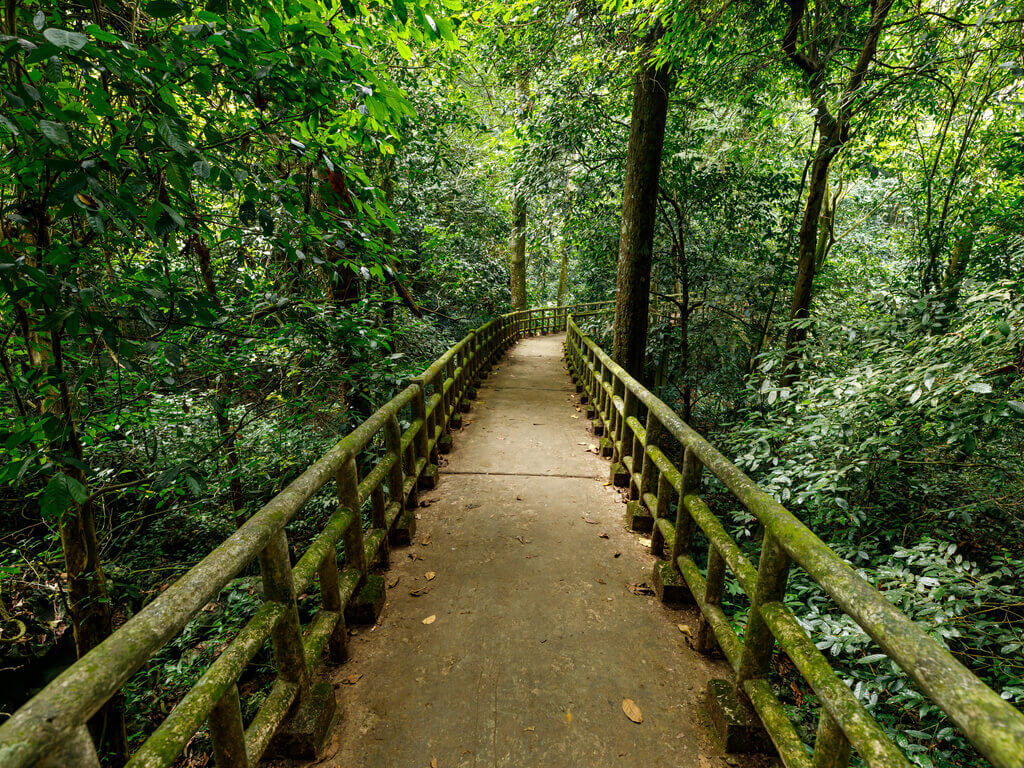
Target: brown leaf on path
<point x="429" y="575"/>
<point x="602" y="536"/>
<point x="601" y="581"/>
<point x="352" y="679"/>
<point x="589" y="521"/>
<point x="433" y="762"/>
<point x="632" y="711"/>
<point x="685" y="629"/>
<point x="426" y="541"/>
<point x="641" y="588"/>
<point x="393" y="582"/>
<point x="418" y="592"/>
<point x="617" y="554"/>
<point x="430" y="619"/>
<point x="414" y="556"/>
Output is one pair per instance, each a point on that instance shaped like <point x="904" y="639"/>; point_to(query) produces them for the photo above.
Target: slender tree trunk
<point x="834" y="132"/>
<point x="517" y="260"/>
<point x="684" y="330"/>
<point x="89" y="607"/>
<point x="563" y="274"/>
<point x="799" y="310"/>
<point x="639" y="206"/>
<point x="517" y="263"/>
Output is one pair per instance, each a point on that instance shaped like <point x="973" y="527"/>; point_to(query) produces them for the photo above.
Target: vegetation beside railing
<point x="51" y="728"/>
<point x="640" y="434"/>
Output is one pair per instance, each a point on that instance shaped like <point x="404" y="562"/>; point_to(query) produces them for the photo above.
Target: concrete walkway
<point x="537" y="637"/>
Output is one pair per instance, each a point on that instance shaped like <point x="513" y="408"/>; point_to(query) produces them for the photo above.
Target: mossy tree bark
<point x="517" y="257"/>
<point x="517" y="262"/>
<point x="639" y="205"/>
<point x="563" y="274"/>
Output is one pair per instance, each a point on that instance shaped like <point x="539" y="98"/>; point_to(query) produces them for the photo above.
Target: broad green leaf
<point x="63" y="38"/>
<point x="55" y="132"/>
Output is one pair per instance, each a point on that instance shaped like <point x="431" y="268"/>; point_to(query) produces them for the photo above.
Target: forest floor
<point x="512" y="632"/>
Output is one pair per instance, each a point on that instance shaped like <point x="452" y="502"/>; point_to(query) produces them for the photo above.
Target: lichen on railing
<point x="636" y="429"/>
<point x="50" y="730"/>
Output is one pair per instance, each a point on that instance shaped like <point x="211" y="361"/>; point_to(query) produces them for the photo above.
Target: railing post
<point x="396" y="475"/>
<point x="347" y="481"/>
<point x="330" y="599"/>
<point x="690" y="473"/>
<point x="831" y="747"/>
<point x="278" y="587"/>
<point x="227" y="732"/>
<point x="419" y="407"/>
<point x="652" y="438"/>
<point x="714" y="586"/>
<point x="620" y="474"/>
<point x="615" y="427"/>
<point x="772" y="573"/>
<point x="77" y="751"/>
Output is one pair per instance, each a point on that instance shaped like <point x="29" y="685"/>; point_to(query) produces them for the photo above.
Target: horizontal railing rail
<point x="50" y="729"/>
<point x="639" y="430"/>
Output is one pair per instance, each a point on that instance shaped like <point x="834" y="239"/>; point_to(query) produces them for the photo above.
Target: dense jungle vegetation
<point x="229" y="231"/>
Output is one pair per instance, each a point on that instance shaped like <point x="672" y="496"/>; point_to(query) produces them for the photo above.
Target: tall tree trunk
<point x="89" y="607"/>
<point x="563" y="274"/>
<point x="800" y="307"/>
<point x="517" y="263"/>
<point x="834" y="131"/>
<point x="517" y="260"/>
<point x="639" y="206"/>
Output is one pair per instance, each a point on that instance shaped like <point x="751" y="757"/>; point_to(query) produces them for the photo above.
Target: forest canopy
<point x="229" y="232"/>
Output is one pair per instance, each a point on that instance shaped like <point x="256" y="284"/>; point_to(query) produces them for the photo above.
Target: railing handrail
<point x="993" y="725"/>
<point x="57" y="714"/>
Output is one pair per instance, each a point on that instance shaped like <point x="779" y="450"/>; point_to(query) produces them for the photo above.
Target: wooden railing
<point x="641" y="432"/>
<point x="50" y="730"/>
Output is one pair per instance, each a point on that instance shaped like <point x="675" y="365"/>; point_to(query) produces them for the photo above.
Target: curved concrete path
<point x="537" y="637"/>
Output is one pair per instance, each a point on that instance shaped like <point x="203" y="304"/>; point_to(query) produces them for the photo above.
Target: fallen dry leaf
<point x="429" y="575"/>
<point x="414" y="556"/>
<point x="632" y="711"/>
<point x="602" y="536"/>
<point x="521" y="540"/>
<point x="433" y="762"/>
<point x="425" y="542"/>
<point x="393" y="582"/>
<point x="601" y="581"/>
<point x="685" y="629"/>
<point x="617" y="554"/>
<point x="430" y="619"/>
<point x="589" y="521"/>
<point x="352" y="679"/>
<point x="641" y="588"/>
<point x="529" y="728"/>
<point x="419" y="592"/>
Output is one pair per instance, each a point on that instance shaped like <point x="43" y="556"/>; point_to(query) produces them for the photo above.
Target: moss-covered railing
<point x="640" y="432"/>
<point x="50" y="730"/>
